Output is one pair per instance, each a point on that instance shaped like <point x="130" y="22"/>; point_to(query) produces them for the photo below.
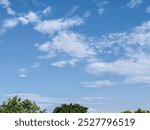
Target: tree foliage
<point x="137" y="111"/>
<point x="141" y="111"/>
<point x="16" y="105"/>
<point x="127" y="111"/>
<point x="70" y="108"/>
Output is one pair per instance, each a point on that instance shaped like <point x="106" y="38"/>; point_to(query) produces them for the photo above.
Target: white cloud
<point x="69" y="43"/>
<point x="138" y="80"/>
<point x="47" y="10"/>
<point x="128" y="67"/>
<point x="134" y="3"/>
<point x="22" y="73"/>
<point x="127" y="44"/>
<point x="100" y="5"/>
<point x="59" y="63"/>
<point x="98" y="84"/>
<point x="10" y="11"/>
<point x="129" y="50"/>
<point x="6" y="4"/>
<point x="101" y="11"/>
<point x="10" y="23"/>
<point x="22" y="76"/>
<point x="90" y="98"/>
<point x="132" y="69"/>
<point x="43" y="47"/>
<point x="31" y="17"/>
<point x="140" y="34"/>
<point x="62" y="63"/>
<point x="52" y="26"/>
<point x="23" y="20"/>
<point x="147" y="9"/>
<point x="22" y="70"/>
<point x="72" y="61"/>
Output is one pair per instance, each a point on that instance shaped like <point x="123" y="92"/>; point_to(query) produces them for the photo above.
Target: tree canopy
<point x="70" y="108"/>
<point x="16" y="105"/>
<point x="137" y="111"/>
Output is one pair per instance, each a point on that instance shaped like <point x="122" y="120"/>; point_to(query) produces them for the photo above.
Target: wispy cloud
<point x="24" y="19"/>
<point x="22" y="73"/>
<point x="47" y="10"/>
<point x="10" y="23"/>
<point x="31" y="17"/>
<point x="131" y="60"/>
<point x="59" y="63"/>
<point x="90" y="98"/>
<point x="62" y="63"/>
<point x="98" y="84"/>
<point x="22" y="76"/>
<point x="52" y="26"/>
<point x="68" y="43"/>
<point x="134" y="3"/>
<point x="100" y="5"/>
<point x="128" y="68"/>
<point x="7" y="5"/>
<point x="138" y="80"/>
<point x="74" y="9"/>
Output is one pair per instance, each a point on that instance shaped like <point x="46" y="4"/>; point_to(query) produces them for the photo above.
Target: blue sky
<point x="92" y="52"/>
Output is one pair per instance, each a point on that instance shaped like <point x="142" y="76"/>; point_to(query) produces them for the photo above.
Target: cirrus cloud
<point x="52" y="26"/>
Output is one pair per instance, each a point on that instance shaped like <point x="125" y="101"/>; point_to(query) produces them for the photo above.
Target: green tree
<point x="16" y="105"/>
<point x="137" y="111"/>
<point x="70" y="108"/>
<point x="141" y="111"/>
<point x="127" y="111"/>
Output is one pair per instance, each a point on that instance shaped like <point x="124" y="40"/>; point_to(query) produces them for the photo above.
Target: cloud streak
<point x="98" y="84"/>
<point x="52" y="26"/>
<point x="134" y="3"/>
<point x="6" y="4"/>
